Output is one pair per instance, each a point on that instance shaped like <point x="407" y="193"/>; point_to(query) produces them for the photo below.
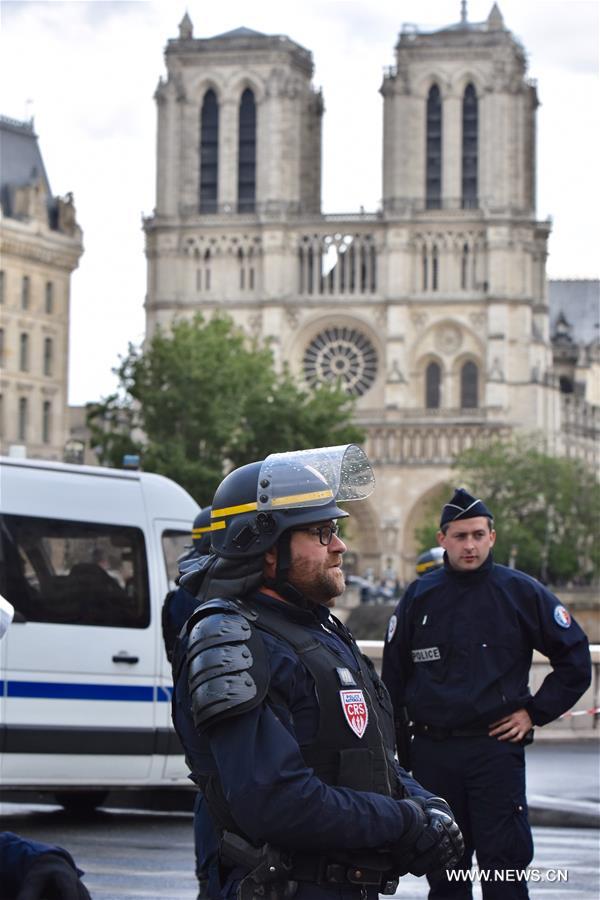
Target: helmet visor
<point x="307" y="478"/>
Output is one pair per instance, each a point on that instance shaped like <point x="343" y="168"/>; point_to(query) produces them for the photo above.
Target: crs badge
<point x="562" y="616"/>
<point x="356" y="711"/>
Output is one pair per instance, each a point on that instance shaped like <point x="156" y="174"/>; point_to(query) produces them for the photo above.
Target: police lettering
<point x="426" y="654"/>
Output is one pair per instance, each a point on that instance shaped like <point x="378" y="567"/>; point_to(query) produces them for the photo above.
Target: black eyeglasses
<point x="325" y="532"/>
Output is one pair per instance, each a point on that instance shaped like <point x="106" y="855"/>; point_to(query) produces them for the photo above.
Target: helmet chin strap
<point x="280" y="583"/>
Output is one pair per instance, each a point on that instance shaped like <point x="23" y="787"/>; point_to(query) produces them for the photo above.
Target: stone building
<point x="433" y="311"/>
<point x="40" y="245"/>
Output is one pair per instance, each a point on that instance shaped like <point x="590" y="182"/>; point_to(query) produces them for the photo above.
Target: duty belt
<point x="270" y="866"/>
<point x="440" y="734"/>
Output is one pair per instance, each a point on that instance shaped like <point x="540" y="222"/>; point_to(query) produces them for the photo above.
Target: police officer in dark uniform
<point x="179" y="604"/>
<point x="177" y="608"/>
<point x="456" y="662"/>
<point x="286" y="726"/>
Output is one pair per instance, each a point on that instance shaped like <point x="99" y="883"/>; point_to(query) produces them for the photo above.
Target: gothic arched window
<point x="435" y="268"/>
<point x="433" y="378"/>
<point x="433" y="168"/>
<point x="470" y="130"/>
<point x="209" y="152"/>
<point x="469" y="386"/>
<point x="247" y="153"/>
<point x="464" y="268"/>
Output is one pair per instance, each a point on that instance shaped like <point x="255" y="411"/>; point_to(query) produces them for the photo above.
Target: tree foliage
<point x="426" y="532"/>
<point x="199" y="401"/>
<point x="545" y="508"/>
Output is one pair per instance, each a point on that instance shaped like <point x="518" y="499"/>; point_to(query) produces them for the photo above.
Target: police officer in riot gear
<point x="177" y="608"/>
<point x="456" y="663"/>
<point x="180" y="604"/>
<point x="286" y="726"/>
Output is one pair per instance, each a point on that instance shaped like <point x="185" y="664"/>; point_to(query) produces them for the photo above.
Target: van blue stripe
<point x="72" y="691"/>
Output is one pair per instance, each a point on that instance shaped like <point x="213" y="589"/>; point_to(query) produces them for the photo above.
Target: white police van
<point x="87" y="555"/>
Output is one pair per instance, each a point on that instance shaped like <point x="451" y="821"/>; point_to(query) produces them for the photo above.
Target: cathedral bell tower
<point x="238" y="146"/>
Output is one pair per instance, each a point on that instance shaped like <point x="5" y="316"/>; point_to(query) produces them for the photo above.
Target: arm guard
<point x="227" y="665"/>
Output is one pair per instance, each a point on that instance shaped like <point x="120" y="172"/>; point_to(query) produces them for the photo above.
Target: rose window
<point x="344" y="356"/>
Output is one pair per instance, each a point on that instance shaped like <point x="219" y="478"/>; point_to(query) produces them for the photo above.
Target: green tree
<point x="199" y="401"/>
<point x="546" y="508"/>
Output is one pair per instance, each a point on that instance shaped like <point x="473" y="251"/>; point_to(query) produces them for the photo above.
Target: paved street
<point x="129" y="854"/>
<point x="568" y="769"/>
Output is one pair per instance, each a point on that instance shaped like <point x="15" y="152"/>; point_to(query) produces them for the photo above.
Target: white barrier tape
<point x="594" y="711"/>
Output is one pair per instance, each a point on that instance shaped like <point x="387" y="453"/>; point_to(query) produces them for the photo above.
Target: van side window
<point x="75" y="573"/>
<point x="174" y="544"/>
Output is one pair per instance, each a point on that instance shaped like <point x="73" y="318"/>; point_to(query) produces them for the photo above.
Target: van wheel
<point x="81" y="802"/>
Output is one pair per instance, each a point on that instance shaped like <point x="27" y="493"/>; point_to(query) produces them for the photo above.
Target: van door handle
<point x="125" y="658"/>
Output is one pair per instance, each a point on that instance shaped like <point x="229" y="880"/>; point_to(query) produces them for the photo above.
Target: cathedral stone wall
<point x="432" y="311"/>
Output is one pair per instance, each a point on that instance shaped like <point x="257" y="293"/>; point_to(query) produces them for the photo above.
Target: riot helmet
<point x="430" y="560"/>
<point x="257" y="503"/>
<point x="201" y="532"/>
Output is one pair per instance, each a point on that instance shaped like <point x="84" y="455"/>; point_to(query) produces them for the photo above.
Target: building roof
<point x="241" y="32"/>
<point x="494" y="22"/>
<point x="21" y="161"/>
<point x="237" y="41"/>
<point x="576" y="301"/>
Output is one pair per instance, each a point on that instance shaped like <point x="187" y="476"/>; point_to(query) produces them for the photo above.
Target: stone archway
<point x="361" y="532"/>
<point x="426" y="509"/>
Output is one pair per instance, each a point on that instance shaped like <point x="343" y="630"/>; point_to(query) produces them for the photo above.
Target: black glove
<point x="434" y="843"/>
<point x="52" y="877"/>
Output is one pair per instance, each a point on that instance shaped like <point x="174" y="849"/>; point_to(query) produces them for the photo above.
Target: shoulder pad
<point x="228" y="671"/>
<point x="220" y="604"/>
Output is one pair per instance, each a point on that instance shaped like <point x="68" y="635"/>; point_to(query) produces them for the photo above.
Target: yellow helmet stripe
<point x="300" y="498"/>
<point x="217" y="526"/>
<point x="278" y="501"/>
<point x="233" y="510"/>
<point x="196" y="532"/>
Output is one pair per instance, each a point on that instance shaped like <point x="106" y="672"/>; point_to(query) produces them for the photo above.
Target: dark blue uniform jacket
<point x="272" y="794"/>
<point x="16" y="856"/>
<point x="459" y="649"/>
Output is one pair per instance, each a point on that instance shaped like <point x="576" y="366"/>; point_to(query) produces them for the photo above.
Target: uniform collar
<point x="482" y="572"/>
<point x="314" y="616"/>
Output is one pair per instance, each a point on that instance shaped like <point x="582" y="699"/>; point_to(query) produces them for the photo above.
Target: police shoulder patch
<point x="562" y="616"/>
<point x="391" y="631"/>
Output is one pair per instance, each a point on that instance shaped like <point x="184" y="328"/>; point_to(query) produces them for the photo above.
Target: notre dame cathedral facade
<point x="432" y="311"/>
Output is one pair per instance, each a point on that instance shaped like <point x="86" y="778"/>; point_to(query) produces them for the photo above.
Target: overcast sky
<point x="87" y="70"/>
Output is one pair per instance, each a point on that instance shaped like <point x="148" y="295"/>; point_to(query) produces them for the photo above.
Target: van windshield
<point x="79" y="573"/>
